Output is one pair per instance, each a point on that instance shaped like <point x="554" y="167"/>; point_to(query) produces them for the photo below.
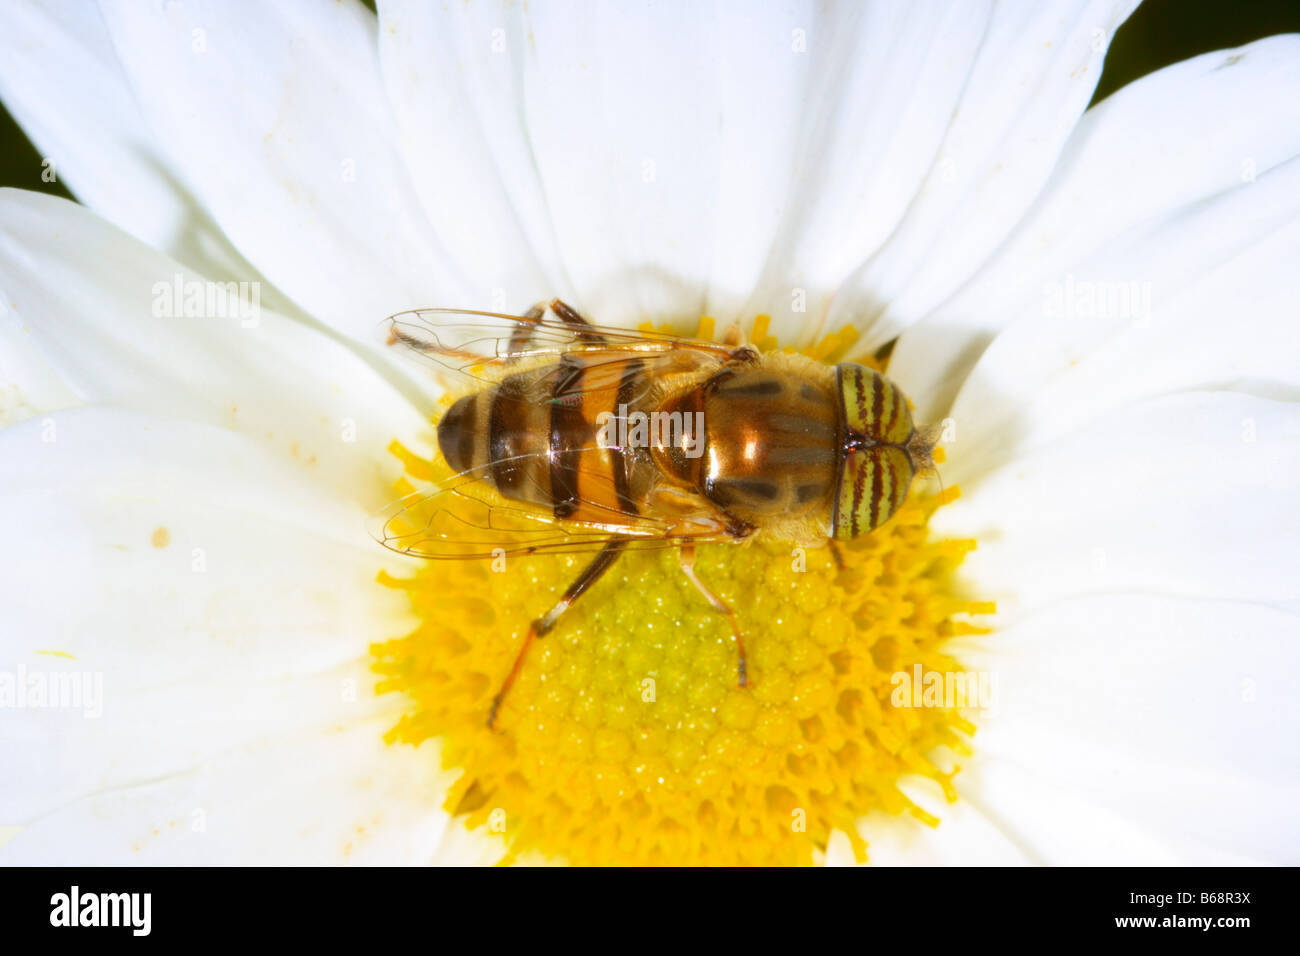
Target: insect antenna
<point x="920" y="449"/>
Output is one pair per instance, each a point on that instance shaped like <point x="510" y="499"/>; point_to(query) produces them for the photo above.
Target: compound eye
<point x="873" y="485"/>
<point x="873" y="405"/>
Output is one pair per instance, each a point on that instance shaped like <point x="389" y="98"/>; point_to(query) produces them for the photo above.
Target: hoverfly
<point x="580" y="438"/>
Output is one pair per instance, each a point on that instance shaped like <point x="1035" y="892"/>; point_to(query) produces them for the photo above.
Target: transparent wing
<point x="598" y="372"/>
<point x="465" y="518"/>
<point x="482" y="344"/>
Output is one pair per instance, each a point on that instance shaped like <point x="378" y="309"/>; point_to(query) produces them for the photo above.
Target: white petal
<point x="29" y="385"/>
<point x="461" y="846"/>
<point x="965" y="836"/>
<point x="453" y="74"/>
<point x="830" y="147"/>
<point x="707" y="174"/>
<point x="90" y="297"/>
<point x="61" y="80"/>
<point x="225" y="602"/>
<point x="1058" y="827"/>
<point x="796" y="144"/>
<point x="624" y="122"/>
<point x="1190" y="494"/>
<point x="1212" y="309"/>
<point x="1165" y="185"/>
<point x="278" y="116"/>
<point x="1022" y="93"/>
<point x="325" y="796"/>
<point x="1139" y="729"/>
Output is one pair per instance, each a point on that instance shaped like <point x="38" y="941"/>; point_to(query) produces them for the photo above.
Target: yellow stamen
<point x="626" y="739"/>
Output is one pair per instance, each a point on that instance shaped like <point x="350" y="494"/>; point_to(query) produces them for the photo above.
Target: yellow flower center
<point x="625" y="739"/>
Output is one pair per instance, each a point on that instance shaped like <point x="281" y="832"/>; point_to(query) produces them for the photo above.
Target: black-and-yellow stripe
<point x="533" y="435"/>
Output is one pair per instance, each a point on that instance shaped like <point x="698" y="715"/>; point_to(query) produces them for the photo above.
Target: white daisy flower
<point x="1097" y="306"/>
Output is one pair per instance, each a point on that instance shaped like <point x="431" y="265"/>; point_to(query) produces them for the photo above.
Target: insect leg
<point x="836" y="554"/>
<point x="521" y="336"/>
<point x="687" y="558"/>
<point x="573" y="317"/>
<point x="543" y="625"/>
<point x="735" y="336"/>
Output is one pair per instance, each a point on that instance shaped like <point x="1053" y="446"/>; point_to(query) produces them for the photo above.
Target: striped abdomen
<point x="533" y="436"/>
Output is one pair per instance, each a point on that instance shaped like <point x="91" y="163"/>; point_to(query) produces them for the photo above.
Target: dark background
<point x="1159" y="33"/>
